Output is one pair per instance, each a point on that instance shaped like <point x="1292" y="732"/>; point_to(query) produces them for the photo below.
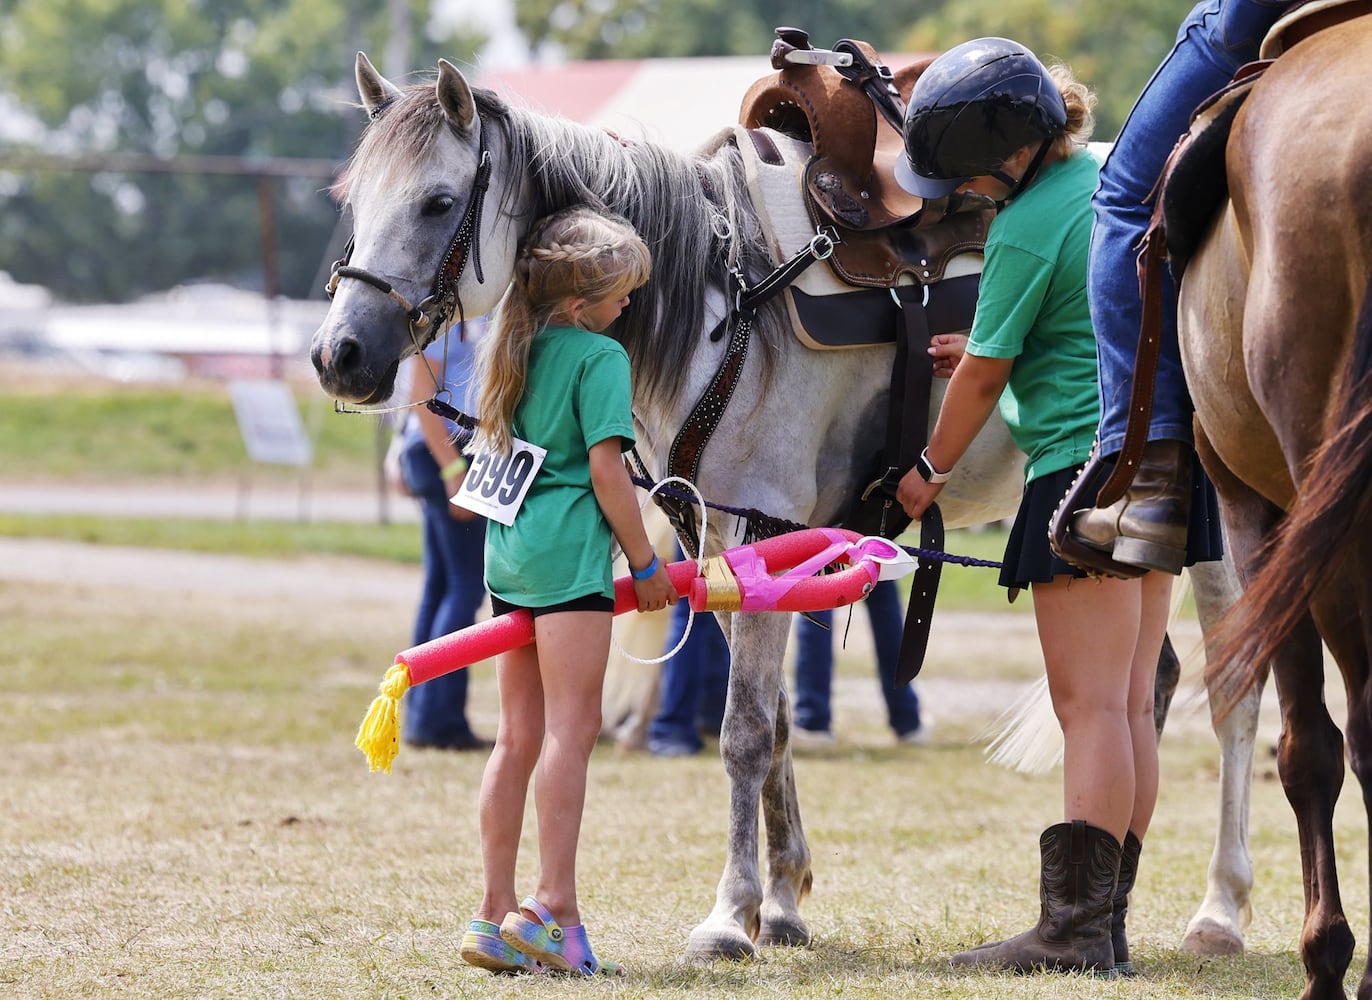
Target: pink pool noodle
<point x="510" y="631"/>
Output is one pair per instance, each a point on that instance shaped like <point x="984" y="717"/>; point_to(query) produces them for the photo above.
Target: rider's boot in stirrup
<point x="1146" y="528"/>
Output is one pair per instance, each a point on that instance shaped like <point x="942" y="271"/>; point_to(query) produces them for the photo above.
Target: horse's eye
<point x="439" y="204"/>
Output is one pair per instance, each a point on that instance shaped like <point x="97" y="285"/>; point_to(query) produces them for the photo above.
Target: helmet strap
<point x="1016" y="186"/>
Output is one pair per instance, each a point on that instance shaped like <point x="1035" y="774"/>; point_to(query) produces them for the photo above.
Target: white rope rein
<point x="690" y="611"/>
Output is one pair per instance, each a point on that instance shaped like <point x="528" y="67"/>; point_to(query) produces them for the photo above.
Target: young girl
<point x="988" y="117"/>
<point x="549" y="378"/>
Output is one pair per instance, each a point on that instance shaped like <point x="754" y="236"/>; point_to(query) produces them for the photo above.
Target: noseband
<point x="431" y="316"/>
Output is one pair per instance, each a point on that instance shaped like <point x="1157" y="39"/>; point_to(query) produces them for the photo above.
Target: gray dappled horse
<point x="444" y="183"/>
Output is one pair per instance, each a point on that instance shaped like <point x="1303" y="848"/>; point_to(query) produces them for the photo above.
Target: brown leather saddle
<point x="847" y="109"/>
<point x="852" y="119"/>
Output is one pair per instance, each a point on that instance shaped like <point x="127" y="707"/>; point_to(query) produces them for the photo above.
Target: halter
<point x="435" y="313"/>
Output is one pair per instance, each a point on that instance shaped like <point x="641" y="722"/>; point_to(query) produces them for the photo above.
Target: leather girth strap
<point x="907" y="433"/>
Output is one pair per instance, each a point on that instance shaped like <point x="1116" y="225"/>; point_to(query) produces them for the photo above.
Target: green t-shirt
<point x="576" y="395"/>
<point x="1032" y="307"/>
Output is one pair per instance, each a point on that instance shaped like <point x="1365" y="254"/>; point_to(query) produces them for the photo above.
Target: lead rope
<point x="690" y="611"/>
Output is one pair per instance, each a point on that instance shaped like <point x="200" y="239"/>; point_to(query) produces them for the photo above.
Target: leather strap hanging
<point x="907" y="433"/>
<point x="1150" y="264"/>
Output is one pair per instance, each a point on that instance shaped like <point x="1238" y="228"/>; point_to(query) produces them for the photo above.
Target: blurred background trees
<point x="268" y="79"/>
<point x="252" y="79"/>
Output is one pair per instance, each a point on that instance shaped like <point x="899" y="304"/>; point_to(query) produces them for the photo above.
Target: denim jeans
<point x="695" y="682"/>
<point x="454" y="587"/>
<point x="1215" y="39"/>
<point x="815" y="664"/>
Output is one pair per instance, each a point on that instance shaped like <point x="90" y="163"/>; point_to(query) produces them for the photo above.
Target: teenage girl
<point x="988" y="117"/>
<point x="552" y="378"/>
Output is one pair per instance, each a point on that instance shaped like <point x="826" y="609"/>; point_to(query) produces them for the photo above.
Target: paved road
<point x="227" y="502"/>
<point x="305" y="578"/>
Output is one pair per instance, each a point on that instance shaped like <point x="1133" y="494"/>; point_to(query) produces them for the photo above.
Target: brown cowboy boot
<point x="1129" y="870"/>
<point x="1146" y="528"/>
<point x="1076" y="888"/>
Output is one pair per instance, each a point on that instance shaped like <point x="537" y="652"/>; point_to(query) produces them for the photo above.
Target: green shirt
<point x="577" y="394"/>
<point x="1032" y="307"/>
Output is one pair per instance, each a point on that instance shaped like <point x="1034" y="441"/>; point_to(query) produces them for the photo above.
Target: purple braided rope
<point x="754" y="517"/>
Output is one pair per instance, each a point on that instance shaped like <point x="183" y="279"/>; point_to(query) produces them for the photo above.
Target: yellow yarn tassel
<point x="379" y="735"/>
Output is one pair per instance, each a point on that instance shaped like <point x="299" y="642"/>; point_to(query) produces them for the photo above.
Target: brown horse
<point x="1276" y="335"/>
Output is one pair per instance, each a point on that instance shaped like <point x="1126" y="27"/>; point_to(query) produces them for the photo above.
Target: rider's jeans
<point x="1217" y="37"/>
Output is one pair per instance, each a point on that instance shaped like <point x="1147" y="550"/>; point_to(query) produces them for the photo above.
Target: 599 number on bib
<point x="495" y="484"/>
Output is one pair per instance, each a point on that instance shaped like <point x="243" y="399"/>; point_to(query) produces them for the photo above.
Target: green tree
<point x="166" y="78"/>
<point x="607" y="29"/>
<point x="1112" y="45"/>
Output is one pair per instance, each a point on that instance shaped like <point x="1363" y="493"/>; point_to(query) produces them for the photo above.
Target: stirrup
<point x="1081" y="495"/>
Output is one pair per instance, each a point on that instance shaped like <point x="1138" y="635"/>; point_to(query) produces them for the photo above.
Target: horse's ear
<point x="375" y="90"/>
<point x="455" y="96"/>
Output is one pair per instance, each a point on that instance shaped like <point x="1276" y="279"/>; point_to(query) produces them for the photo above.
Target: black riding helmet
<point x="971" y="109"/>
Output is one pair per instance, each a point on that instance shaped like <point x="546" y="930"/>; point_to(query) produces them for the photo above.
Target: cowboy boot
<point x="1076" y="889"/>
<point x="1129" y="870"/>
<point x="1146" y="528"/>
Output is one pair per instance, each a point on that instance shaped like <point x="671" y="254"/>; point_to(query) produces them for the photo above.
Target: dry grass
<point x="185" y="816"/>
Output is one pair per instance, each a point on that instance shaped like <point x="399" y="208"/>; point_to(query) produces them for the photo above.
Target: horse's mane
<point x="693" y="211"/>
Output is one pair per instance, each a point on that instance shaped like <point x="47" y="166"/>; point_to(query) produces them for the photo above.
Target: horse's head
<point x="427" y="236"/>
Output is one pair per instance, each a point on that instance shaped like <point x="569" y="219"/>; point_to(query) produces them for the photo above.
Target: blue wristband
<point x="646" y="571"/>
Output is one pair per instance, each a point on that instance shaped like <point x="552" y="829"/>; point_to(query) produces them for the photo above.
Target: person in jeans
<point x="814" y="669"/>
<point x="694" y="684"/>
<point x="432" y="469"/>
<point x="1148" y="527"/>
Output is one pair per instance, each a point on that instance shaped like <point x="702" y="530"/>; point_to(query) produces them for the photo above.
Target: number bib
<point x="496" y="485"/>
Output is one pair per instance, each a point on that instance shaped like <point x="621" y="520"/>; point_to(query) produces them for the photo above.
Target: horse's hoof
<point x="1207" y="936"/>
<point x="784" y="932"/>
<point x="713" y="944"/>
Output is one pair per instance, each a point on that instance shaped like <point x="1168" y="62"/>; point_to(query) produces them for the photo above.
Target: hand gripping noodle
<point x="777" y="574"/>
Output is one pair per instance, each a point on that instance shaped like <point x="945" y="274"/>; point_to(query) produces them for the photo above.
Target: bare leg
<point x="1156" y="599"/>
<point x="1089" y="631"/>
<point x="505" y="783"/>
<point x="572" y="651"/>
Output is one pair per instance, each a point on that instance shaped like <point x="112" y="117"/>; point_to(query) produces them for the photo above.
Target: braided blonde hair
<point x="580" y="252"/>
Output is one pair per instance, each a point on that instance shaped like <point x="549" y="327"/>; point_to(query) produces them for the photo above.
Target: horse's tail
<point x="1026" y="737"/>
<point x="1328" y="521"/>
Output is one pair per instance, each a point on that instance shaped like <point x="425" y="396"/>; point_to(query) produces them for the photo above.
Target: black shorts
<point x="1028" y="558"/>
<point x="591" y="602"/>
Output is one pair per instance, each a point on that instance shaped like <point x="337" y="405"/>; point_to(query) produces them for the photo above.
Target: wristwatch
<point x="927" y="471"/>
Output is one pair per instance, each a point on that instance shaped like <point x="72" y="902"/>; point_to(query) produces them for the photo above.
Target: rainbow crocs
<point x="483" y="947"/>
<point x="545" y="941"/>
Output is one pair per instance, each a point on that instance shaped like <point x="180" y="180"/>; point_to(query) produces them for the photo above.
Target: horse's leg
<point x="788" y="854"/>
<point x="1359" y="734"/>
<point x="1310" y="750"/>
<point x="1341" y="611"/>
<point x="1219" y="924"/>
<point x="1311" y="765"/>
<point x="757" y="643"/>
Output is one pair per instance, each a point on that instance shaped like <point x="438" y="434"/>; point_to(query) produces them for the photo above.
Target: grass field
<point x="186" y="817"/>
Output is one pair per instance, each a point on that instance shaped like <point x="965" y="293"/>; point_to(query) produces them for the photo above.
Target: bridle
<point x="435" y="313"/>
